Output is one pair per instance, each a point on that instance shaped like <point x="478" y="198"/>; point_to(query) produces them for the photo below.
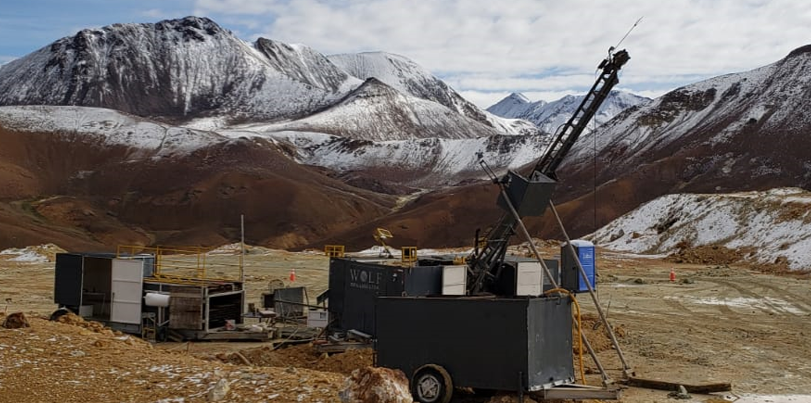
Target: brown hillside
<point x="81" y="194"/>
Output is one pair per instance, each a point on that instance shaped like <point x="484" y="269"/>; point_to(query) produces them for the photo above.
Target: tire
<point x="431" y="384"/>
<point x="59" y="313"/>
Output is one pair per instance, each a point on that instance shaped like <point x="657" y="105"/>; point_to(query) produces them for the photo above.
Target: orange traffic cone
<point x="292" y="275"/>
<point x="672" y="275"/>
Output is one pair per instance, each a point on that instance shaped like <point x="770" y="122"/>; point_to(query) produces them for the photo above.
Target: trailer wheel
<point x="431" y="384"/>
<point x="59" y="313"/>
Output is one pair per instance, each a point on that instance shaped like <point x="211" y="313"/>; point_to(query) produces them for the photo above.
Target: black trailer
<point x="507" y="344"/>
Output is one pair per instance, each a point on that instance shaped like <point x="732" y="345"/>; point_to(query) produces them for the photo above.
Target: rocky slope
<point x="135" y="181"/>
<point x="767" y="228"/>
<point x="191" y="68"/>
<point x="738" y="132"/>
<point x="175" y="70"/>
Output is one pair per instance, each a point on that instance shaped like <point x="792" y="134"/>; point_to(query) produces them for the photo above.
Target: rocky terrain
<point x="715" y="323"/>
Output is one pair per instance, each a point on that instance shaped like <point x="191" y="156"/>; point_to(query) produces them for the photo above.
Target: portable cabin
<point x="129" y="293"/>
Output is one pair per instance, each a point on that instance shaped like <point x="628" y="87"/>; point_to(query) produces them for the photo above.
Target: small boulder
<point x="376" y="385"/>
<point x="15" y="321"/>
<point x="219" y="391"/>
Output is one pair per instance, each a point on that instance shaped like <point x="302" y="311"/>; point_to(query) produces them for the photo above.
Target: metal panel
<point x="529" y="197"/>
<point x="454" y="280"/>
<point x="481" y="342"/>
<point x="549" y="321"/>
<point x="420" y="280"/>
<point x="289" y="294"/>
<point x="224" y="306"/>
<point x="127" y="290"/>
<point x="528" y="279"/>
<point x="353" y="288"/>
<point x="68" y="280"/>
<point x="186" y="308"/>
<point x="554" y="267"/>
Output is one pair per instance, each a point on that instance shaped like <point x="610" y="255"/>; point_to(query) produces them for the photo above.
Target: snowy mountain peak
<point x="549" y="116"/>
<point x="370" y="88"/>
<point x="512" y="106"/>
<point x="518" y="97"/>
<point x="409" y="78"/>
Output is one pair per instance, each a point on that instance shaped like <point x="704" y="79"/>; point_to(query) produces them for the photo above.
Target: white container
<point x="155" y="299"/>
<point x="317" y="319"/>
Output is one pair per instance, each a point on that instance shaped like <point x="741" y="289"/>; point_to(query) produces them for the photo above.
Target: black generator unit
<point x="354" y="285"/>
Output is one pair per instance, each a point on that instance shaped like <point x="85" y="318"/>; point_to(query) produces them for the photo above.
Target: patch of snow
<point x="25" y="255"/>
<point x="770" y="223"/>
<point x="108" y="127"/>
<point x="765" y="303"/>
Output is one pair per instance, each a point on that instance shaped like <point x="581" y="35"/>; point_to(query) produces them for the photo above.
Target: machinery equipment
<point x="529" y="196"/>
<point x="491" y="323"/>
<point x="381" y="235"/>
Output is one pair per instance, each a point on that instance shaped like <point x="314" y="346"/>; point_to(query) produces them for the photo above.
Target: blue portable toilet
<point x="570" y="277"/>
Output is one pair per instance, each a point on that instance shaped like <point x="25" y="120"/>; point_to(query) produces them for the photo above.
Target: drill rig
<point x="529" y="195"/>
<point x="448" y="325"/>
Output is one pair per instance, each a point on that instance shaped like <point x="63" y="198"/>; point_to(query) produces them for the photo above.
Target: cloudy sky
<point x="485" y="49"/>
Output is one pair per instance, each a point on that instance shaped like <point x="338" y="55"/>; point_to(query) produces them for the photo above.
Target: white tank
<point x="155" y="299"/>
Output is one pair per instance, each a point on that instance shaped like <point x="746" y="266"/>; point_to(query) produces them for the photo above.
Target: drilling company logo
<point x="364" y="279"/>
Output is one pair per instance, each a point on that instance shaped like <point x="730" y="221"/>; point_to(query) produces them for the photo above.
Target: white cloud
<point x="487" y="47"/>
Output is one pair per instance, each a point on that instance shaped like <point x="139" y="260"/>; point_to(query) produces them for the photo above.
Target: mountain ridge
<point x="549" y="116"/>
<point x="177" y="71"/>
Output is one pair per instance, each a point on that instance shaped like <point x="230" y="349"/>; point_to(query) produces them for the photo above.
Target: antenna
<point x="626" y="34"/>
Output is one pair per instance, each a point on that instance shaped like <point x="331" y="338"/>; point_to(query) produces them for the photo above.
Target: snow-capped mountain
<point x="409" y="78"/>
<point x="737" y="132"/>
<point x="514" y="105"/>
<point x="175" y="69"/>
<point x="755" y="121"/>
<point x="192" y="69"/>
<point x="427" y="163"/>
<point x="772" y="225"/>
<point x="550" y="116"/>
<point x="377" y="112"/>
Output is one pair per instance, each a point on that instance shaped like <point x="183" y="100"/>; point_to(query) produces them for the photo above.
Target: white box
<point x="318" y="319"/>
<point x="454" y="280"/>
<point x="528" y="279"/>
